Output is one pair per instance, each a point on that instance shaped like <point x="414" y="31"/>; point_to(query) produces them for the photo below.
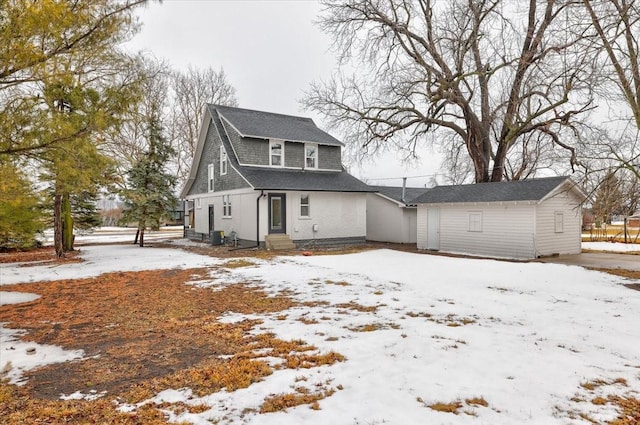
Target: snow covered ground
<point x="611" y="246"/>
<point x="521" y="336"/>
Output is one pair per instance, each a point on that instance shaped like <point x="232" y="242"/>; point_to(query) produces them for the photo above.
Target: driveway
<point x="598" y="260"/>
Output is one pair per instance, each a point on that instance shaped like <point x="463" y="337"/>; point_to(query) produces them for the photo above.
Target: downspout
<point x="258" y="218"/>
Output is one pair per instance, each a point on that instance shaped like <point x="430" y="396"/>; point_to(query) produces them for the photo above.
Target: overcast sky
<point x="270" y="51"/>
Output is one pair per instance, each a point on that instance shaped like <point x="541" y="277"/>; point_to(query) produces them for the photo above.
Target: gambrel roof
<point x="507" y="191"/>
<point x="257" y="124"/>
<point x="267" y="125"/>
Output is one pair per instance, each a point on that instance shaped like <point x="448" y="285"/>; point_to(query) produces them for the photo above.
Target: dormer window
<point x="276" y="153"/>
<point x="310" y="156"/>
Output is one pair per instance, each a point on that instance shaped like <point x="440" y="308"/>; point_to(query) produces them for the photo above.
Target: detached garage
<point x="520" y="219"/>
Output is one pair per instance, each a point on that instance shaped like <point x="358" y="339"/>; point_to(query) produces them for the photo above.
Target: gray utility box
<point x="217" y="237"/>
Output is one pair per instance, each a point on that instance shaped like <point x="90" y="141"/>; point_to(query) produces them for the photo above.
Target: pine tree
<point x="19" y="209"/>
<point x="149" y="196"/>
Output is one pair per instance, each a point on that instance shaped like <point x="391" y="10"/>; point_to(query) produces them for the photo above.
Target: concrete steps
<point x="279" y="241"/>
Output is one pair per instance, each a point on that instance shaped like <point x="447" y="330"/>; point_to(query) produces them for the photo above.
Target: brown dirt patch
<point x="38" y="256"/>
<point x="142" y="332"/>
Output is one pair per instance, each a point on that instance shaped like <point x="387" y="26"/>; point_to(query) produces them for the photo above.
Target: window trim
<point x="560" y="228"/>
<point x="308" y="205"/>
<point x="475" y="222"/>
<point x="224" y="162"/>
<point x="226" y="206"/>
<point x="211" y="169"/>
<point x="198" y="203"/>
<point x="276" y="142"/>
<point x="314" y="157"/>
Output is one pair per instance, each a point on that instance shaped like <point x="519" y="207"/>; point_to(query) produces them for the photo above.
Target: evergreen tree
<point x="149" y="196"/>
<point x="19" y="209"/>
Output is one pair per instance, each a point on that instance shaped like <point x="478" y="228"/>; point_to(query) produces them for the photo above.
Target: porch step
<point x="279" y="241"/>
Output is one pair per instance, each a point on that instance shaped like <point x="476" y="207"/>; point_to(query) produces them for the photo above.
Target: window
<point x="311" y="156"/>
<point x="223" y="161"/>
<point x="304" y="206"/>
<point x="276" y="153"/>
<point x="559" y="222"/>
<point x="226" y="205"/>
<point x="210" y="171"/>
<point x="475" y="221"/>
<point x="198" y="203"/>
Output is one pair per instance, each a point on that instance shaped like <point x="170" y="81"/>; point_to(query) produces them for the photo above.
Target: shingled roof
<point x="522" y="190"/>
<point x="395" y="192"/>
<point x="317" y="181"/>
<point x="267" y="125"/>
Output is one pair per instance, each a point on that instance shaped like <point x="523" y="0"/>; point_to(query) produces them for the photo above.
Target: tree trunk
<point x="135" y="241"/>
<point x="67" y="223"/>
<point x="57" y="225"/>
<point x="142" y="237"/>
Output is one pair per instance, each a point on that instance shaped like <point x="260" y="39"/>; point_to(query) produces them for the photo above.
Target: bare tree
<point x="129" y="145"/>
<point x="616" y="27"/>
<point x="193" y="89"/>
<point x="482" y="78"/>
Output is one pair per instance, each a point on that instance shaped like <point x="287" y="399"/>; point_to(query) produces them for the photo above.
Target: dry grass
<point x="280" y="402"/>
<point x="476" y="401"/>
<point x="446" y="407"/>
<point x="339" y="283"/>
<point x="143" y="332"/>
<point x="234" y="264"/>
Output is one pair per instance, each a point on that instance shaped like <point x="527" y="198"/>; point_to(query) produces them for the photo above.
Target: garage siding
<point x="548" y="241"/>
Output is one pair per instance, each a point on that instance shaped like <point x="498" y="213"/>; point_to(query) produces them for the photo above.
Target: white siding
<point x="421" y="227"/>
<point x="388" y="222"/>
<point x="548" y="241"/>
<point x="507" y="229"/>
<point x="337" y="215"/>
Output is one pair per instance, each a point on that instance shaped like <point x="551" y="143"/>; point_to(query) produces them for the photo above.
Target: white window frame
<point x="271" y="144"/>
<point x="314" y="157"/>
<point x="223" y="161"/>
<point x="475" y="221"/>
<point x="210" y="178"/>
<point x="226" y="206"/>
<point x="198" y="203"/>
<point x="307" y="205"/>
<point x="558" y="222"/>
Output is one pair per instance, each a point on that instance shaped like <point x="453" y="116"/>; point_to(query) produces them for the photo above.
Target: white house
<point x="519" y="219"/>
<point x="264" y="177"/>
<point x="390" y="215"/>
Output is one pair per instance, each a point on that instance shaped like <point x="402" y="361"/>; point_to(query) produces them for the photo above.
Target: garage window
<point x="475" y="221"/>
<point x="559" y="222"/>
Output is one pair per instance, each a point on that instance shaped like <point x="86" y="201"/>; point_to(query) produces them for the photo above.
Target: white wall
<point x="548" y="241"/>
<point x="507" y="229"/>
<point x="388" y="222"/>
<point x="337" y="215"/>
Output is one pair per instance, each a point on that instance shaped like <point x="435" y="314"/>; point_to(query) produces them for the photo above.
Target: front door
<point x="277" y="213"/>
<point x="433" y="228"/>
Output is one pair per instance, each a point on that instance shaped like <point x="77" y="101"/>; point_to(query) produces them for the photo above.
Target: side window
<point x="475" y="221"/>
<point x="305" y="210"/>
<point x="198" y="203"/>
<point x="559" y="222"/>
<point x="210" y="176"/>
<point x="276" y="153"/>
<point x="310" y="156"/>
<point x="226" y="205"/>
<point x="223" y="161"/>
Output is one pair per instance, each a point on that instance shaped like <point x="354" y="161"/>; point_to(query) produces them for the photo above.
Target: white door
<point x="433" y="228"/>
